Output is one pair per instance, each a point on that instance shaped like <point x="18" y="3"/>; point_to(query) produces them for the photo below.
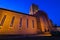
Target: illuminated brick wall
<point x="14" y="23"/>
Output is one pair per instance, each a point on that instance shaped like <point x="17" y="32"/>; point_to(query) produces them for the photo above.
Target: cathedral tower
<point x="33" y="9"/>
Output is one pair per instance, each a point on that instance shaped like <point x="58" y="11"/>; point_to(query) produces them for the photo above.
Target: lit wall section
<point x="14" y="23"/>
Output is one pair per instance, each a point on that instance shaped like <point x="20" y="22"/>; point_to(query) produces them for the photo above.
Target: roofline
<point x="15" y="11"/>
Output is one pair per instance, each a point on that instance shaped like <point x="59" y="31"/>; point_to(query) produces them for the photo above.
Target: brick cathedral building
<point x="12" y="22"/>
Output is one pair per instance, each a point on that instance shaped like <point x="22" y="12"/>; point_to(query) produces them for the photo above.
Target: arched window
<point x="33" y="23"/>
<point x="1" y="24"/>
<point x="20" y="22"/>
<point x="12" y="21"/>
<point x="27" y="23"/>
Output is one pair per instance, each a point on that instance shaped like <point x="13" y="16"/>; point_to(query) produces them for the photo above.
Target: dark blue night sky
<point x="51" y="7"/>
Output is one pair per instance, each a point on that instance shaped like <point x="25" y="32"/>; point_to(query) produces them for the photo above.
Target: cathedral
<point x="13" y="22"/>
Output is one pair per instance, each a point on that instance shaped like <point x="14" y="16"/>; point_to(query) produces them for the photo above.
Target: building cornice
<point x="16" y="12"/>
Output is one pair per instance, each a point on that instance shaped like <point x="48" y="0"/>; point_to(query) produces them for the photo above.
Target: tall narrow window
<point x="1" y="24"/>
<point x="12" y="21"/>
<point x="33" y="23"/>
<point x="20" y="22"/>
<point x="45" y="23"/>
<point x="27" y="23"/>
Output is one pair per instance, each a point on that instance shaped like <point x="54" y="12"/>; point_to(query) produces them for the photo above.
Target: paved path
<point x="38" y="35"/>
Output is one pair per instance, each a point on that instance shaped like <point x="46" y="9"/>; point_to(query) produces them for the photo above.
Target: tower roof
<point x="33" y="9"/>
